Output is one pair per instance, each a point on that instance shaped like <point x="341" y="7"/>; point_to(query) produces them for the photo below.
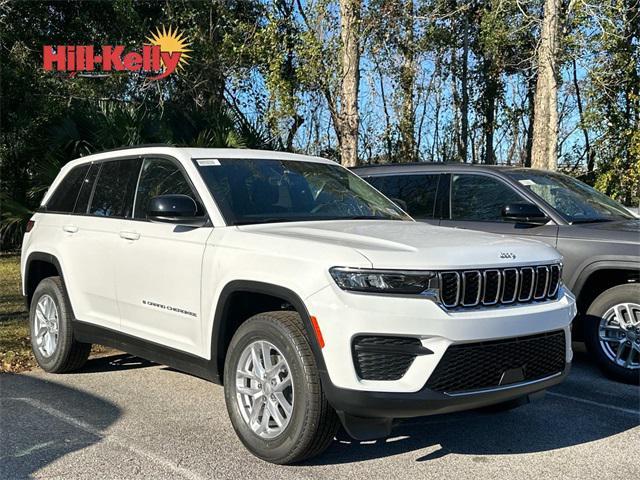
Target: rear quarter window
<point x="64" y="197"/>
<point x="418" y="191"/>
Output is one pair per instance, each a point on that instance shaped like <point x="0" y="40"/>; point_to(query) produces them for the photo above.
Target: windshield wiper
<point x="267" y="220"/>
<point x="592" y="220"/>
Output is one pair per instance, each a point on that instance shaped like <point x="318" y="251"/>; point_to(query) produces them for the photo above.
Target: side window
<point x="159" y="176"/>
<point x="113" y="193"/>
<point x="64" y="197"/>
<point x="480" y="198"/>
<point x="82" y="203"/>
<point x="417" y="191"/>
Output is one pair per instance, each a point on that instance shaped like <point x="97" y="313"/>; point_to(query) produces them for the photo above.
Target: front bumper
<point x="343" y="316"/>
<point x="428" y="402"/>
<point x="368" y="415"/>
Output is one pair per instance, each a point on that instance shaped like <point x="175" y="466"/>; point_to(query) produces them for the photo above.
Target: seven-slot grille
<point x="470" y="288"/>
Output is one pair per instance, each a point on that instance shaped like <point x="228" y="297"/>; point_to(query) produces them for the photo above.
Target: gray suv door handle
<point x="130" y="235"/>
<point x="70" y="228"/>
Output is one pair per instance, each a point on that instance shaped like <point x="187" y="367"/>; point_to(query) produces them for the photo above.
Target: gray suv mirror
<point x="524" y="213"/>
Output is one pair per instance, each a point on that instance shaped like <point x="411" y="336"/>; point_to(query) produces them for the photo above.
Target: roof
<point x="195" y="153"/>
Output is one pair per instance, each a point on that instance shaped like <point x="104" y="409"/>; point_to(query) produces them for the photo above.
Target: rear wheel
<point x="273" y="392"/>
<point x="612" y="332"/>
<point x="50" y="318"/>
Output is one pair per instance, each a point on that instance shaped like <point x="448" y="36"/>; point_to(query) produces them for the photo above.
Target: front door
<point x="159" y="265"/>
<point x="476" y="202"/>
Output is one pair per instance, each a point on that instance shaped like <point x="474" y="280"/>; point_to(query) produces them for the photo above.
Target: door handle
<point x="70" y="228"/>
<point x="130" y="235"/>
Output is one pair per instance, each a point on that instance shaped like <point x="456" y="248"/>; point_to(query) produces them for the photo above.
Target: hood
<point x="413" y="245"/>
<point x="619" y="231"/>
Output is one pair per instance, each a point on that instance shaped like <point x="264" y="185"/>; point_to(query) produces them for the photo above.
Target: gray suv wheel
<point x="613" y="332"/>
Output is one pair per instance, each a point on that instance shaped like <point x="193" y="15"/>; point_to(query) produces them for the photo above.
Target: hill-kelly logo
<point x="165" y="53"/>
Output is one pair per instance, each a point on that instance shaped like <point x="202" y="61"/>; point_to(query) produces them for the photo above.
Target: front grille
<point x="476" y="366"/>
<point x="469" y="288"/>
<point x="384" y="358"/>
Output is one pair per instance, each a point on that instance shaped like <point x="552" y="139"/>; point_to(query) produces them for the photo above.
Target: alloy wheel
<point x="46" y="326"/>
<point x="264" y="389"/>
<point x="619" y="334"/>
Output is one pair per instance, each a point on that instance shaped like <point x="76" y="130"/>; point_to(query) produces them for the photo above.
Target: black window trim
<point x="93" y="189"/>
<point x="206" y="216"/>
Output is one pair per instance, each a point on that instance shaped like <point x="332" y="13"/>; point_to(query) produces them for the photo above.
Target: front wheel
<point x="612" y="332"/>
<point x="273" y="392"/>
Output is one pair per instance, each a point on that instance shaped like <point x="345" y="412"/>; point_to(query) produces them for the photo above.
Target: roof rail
<point x="129" y="147"/>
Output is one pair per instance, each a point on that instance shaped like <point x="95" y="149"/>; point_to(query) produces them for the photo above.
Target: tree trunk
<point x="545" y="126"/>
<point x="464" y="107"/>
<point x="348" y="118"/>
<point x="489" y="108"/>
<point x="406" y="124"/>
<point x="531" y="100"/>
<point x="587" y="144"/>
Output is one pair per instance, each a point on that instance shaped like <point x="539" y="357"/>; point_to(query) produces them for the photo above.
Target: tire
<point x="604" y="353"/>
<point x="312" y="422"/>
<point x="55" y="353"/>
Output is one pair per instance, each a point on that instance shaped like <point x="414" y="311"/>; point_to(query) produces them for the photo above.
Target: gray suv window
<point x="480" y="198"/>
<point x="417" y="191"/>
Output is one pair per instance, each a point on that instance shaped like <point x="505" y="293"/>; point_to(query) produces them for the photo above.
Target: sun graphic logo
<point x="172" y="43"/>
<point x="166" y="53"/>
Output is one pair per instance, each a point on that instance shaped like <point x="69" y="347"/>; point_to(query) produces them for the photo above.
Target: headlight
<point x="382" y="281"/>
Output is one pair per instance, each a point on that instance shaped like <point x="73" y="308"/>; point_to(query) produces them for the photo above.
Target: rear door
<point x="476" y="201"/>
<point x="418" y="191"/>
<point x="104" y="200"/>
<point x="159" y="265"/>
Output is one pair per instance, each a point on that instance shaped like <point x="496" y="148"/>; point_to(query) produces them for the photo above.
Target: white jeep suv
<point x="313" y="298"/>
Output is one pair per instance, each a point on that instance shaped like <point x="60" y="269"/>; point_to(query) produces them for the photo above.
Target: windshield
<point x="576" y="201"/>
<point x="266" y="191"/>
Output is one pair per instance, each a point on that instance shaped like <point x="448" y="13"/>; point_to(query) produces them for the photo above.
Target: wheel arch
<point x="599" y="276"/>
<point x="594" y="279"/>
<point x="225" y="324"/>
<point x="38" y="266"/>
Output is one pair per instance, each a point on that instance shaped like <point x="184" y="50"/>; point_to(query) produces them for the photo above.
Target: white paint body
<point x="108" y="275"/>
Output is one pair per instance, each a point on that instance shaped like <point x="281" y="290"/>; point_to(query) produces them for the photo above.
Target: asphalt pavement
<point x="124" y="418"/>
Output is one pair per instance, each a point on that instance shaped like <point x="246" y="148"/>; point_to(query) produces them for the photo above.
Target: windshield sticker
<point x="526" y="182"/>
<point x="208" y="162"/>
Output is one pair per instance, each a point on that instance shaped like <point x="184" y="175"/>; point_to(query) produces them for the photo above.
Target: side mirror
<point x="401" y="203"/>
<point x="178" y="209"/>
<point x="524" y="213"/>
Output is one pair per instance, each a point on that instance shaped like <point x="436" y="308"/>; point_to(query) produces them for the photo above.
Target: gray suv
<point x="598" y="237"/>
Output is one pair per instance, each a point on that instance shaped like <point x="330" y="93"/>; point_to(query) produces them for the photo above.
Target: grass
<point x="15" y="344"/>
<point x="15" y="340"/>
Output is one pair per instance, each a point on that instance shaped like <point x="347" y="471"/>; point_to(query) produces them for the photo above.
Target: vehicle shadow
<point x="555" y="422"/>
<point x="528" y="429"/>
<point x="108" y="363"/>
<point x="41" y="421"/>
